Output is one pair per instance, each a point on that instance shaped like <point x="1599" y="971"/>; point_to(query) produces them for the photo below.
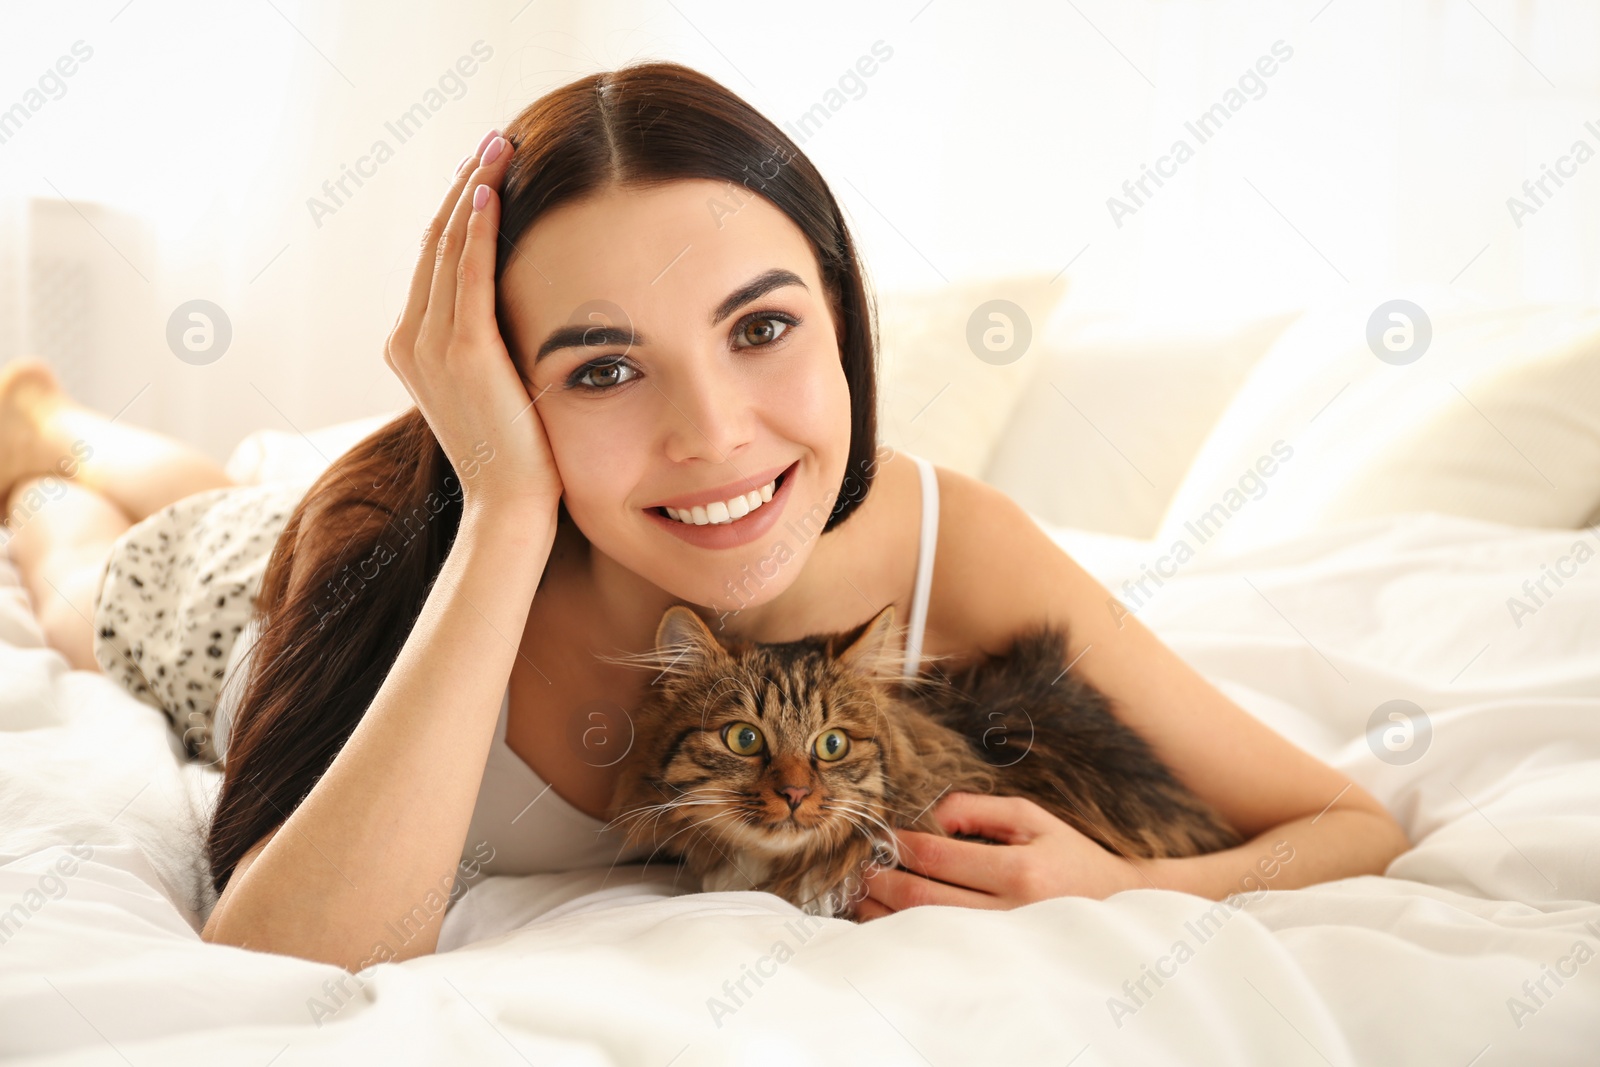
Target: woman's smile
<point x="726" y="502"/>
<point x="715" y="526"/>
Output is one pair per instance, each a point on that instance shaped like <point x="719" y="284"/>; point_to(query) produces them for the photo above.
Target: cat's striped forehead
<point x="777" y="688"/>
<point x="780" y="689"/>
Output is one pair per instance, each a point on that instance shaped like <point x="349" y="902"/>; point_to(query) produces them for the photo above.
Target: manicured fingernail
<point x="492" y="153"/>
<point x="480" y="197"/>
<point x="463" y="164"/>
<point x="491" y="135"/>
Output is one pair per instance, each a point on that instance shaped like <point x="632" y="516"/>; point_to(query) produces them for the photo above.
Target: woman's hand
<point x="1038" y="856"/>
<point x="447" y="349"/>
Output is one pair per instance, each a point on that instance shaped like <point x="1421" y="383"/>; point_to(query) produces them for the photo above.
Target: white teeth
<point x="724" y="511"/>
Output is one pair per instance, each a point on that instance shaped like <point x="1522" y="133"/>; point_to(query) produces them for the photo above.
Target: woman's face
<point x="681" y="347"/>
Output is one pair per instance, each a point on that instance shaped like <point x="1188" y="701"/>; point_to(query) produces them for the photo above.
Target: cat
<point x="783" y="767"/>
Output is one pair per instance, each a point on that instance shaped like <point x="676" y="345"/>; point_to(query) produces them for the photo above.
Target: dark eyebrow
<point x="755" y="289"/>
<point x="578" y="335"/>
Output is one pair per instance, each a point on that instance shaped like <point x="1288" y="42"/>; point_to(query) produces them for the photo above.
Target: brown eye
<point x="742" y="738"/>
<point x="602" y="375"/>
<point x="760" y="330"/>
<point x="832" y="744"/>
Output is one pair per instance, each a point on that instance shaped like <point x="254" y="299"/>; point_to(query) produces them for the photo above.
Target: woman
<point x="644" y="296"/>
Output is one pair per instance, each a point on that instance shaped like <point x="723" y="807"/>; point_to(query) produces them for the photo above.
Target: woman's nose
<point x="712" y="411"/>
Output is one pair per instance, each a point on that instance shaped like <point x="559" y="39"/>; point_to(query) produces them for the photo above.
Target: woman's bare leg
<point x="71" y="481"/>
<point x="44" y="430"/>
<point x="61" y="535"/>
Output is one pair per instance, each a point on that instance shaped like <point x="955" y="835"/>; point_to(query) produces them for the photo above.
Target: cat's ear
<point x="871" y="654"/>
<point x="684" y="637"/>
<point x="683" y="647"/>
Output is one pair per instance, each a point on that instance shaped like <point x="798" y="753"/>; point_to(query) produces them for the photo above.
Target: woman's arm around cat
<point x="997" y="572"/>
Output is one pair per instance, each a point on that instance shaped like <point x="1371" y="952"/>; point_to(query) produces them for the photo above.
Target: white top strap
<point x="925" y="552"/>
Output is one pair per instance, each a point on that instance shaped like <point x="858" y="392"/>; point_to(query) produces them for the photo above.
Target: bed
<point x="1478" y="946"/>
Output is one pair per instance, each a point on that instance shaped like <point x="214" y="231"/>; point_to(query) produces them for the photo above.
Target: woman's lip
<point x="743" y="487"/>
<point x="740" y="531"/>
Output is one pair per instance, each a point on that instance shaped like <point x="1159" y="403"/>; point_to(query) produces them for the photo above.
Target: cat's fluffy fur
<point x="1018" y="725"/>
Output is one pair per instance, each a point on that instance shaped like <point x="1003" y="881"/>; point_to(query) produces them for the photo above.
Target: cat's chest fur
<point x="815" y="892"/>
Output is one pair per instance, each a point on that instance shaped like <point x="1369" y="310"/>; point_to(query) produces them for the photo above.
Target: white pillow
<point x="1104" y="433"/>
<point x="276" y="456"/>
<point x="936" y="397"/>
<point x="1498" y="419"/>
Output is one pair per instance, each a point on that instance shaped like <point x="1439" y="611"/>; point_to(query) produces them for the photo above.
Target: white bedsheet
<point x="1424" y="965"/>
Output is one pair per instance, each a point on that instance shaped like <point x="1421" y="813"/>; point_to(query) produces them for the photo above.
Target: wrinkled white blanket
<point x="1478" y="946"/>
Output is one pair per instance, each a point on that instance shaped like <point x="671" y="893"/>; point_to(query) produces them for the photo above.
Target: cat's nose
<point x="795" y="794"/>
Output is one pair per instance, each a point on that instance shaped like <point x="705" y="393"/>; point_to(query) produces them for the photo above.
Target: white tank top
<point x="520" y="825"/>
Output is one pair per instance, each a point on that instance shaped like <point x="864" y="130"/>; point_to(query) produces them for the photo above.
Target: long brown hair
<point x="350" y="573"/>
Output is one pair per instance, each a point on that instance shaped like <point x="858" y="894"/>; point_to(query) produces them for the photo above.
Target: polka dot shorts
<point x="177" y="590"/>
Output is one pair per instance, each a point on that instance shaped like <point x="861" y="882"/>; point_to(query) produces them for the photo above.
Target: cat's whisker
<point x="697" y="791"/>
<point x="657" y="810"/>
<point x="852" y="813"/>
<point x="715" y="842"/>
<point x="702" y="828"/>
<point x="699" y="796"/>
<point x="637" y="814"/>
<point x="663" y="810"/>
<point x="618" y="858"/>
<point x="860" y="803"/>
<point x="686" y="826"/>
<point x="887" y="838"/>
<point x="655" y="826"/>
<point x="853" y="824"/>
<point x="908" y="819"/>
<point x="690" y="823"/>
<point x="669" y="659"/>
<point x="695" y="796"/>
<point x="687" y="798"/>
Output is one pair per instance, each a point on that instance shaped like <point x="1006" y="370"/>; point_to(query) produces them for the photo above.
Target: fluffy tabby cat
<point x="782" y="767"/>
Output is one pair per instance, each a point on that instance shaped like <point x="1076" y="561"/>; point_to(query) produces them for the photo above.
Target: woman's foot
<point x="30" y="397"/>
<point x="44" y="431"/>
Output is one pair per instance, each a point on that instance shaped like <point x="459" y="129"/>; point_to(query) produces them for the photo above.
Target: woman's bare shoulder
<point x="995" y="570"/>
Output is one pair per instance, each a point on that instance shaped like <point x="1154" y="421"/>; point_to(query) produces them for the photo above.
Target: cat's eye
<point x="832" y="744"/>
<point x="742" y="738"/>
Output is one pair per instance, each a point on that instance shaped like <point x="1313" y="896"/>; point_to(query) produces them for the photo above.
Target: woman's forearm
<point x="1305" y="851"/>
<point x="380" y="834"/>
